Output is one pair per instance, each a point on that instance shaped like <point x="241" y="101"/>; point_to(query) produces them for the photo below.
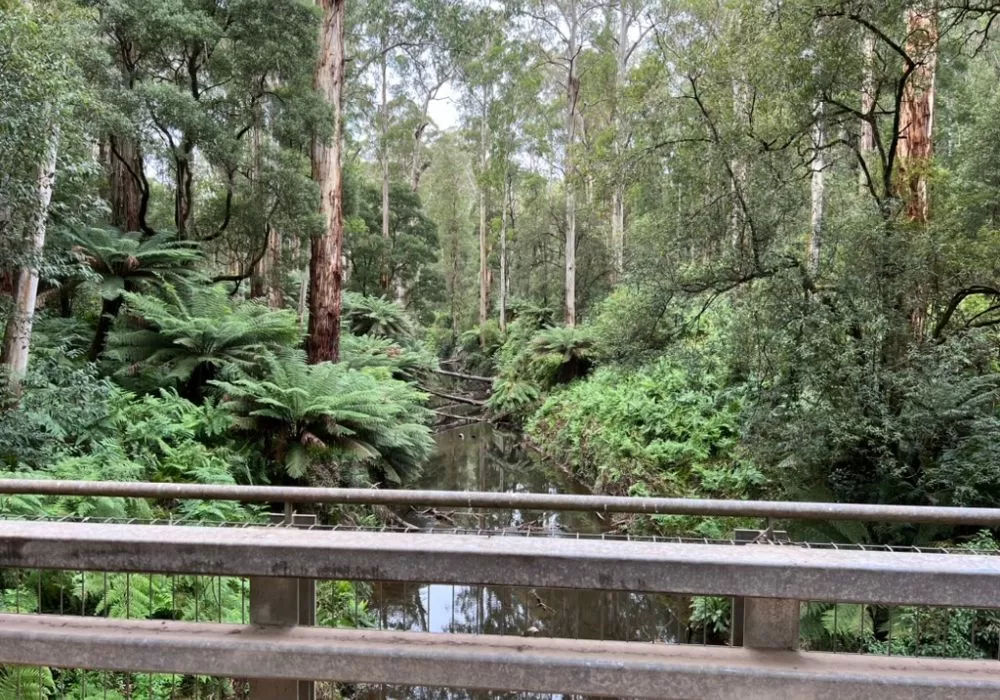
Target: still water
<point x="480" y="458"/>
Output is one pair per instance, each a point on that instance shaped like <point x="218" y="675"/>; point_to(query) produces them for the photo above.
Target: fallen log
<point x="460" y="375"/>
<point x="452" y="397"/>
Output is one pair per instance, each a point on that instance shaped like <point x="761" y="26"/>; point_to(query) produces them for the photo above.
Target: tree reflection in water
<point x="478" y="458"/>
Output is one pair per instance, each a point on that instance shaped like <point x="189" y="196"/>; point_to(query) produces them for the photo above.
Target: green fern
<point x="124" y="260"/>
<point x="559" y="355"/>
<point x="193" y="332"/>
<point x="26" y="682"/>
<point x="330" y="415"/>
<point x="376" y="316"/>
<point x="402" y="362"/>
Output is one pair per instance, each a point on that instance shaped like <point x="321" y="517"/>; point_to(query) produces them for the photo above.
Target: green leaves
<point x="664" y="430"/>
<point x="194" y="332"/>
<point x="322" y="418"/>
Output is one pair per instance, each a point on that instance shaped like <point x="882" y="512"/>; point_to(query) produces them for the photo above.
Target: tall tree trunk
<point x="818" y="190"/>
<point x="417" y="164"/>
<point x="385" y="279"/>
<point x="916" y="144"/>
<point x="272" y="272"/>
<point x="126" y="187"/>
<point x="17" y="335"/>
<point x="867" y="143"/>
<point x="916" y="138"/>
<point x="128" y="195"/>
<point x="128" y="191"/>
<point x="258" y="279"/>
<point x="737" y="185"/>
<point x="185" y="189"/>
<point x="504" y="272"/>
<point x="484" y="273"/>
<point x="325" y="264"/>
<point x="569" y="167"/>
<point x="618" y="187"/>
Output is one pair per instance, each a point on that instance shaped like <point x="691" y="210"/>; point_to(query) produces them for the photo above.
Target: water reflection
<point x="479" y="458"/>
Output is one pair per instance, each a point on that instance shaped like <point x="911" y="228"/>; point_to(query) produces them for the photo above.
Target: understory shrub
<point x="665" y="430"/>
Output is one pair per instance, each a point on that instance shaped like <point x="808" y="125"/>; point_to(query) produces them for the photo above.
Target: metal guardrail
<point x="761" y="570"/>
<point x="790" y="510"/>
<point x="280" y="646"/>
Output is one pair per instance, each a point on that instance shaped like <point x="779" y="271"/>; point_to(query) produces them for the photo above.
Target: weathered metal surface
<point x="609" y="669"/>
<point x="770" y="623"/>
<point x="761" y="571"/>
<point x="275" y="602"/>
<point x="525" y="501"/>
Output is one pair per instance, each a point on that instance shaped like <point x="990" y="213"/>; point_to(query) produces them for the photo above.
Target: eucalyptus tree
<point x="325" y="262"/>
<point x="42" y="95"/>
<point x="561" y="29"/>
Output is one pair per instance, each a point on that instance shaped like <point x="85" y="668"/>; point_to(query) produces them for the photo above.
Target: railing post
<point x="771" y="623"/>
<point x="283" y="602"/>
<point x="764" y="623"/>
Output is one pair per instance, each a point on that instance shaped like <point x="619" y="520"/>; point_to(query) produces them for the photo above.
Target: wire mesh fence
<point x="437" y="608"/>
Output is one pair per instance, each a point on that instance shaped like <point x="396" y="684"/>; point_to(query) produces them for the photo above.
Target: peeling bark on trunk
<point x="17" y="336"/>
<point x="916" y="144"/>
<point x="916" y="139"/>
<point x="325" y="265"/>
<point x="128" y="191"/>
<point x="818" y="190"/>
<point x="126" y="197"/>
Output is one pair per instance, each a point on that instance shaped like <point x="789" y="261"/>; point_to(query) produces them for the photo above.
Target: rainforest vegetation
<point x="722" y="249"/>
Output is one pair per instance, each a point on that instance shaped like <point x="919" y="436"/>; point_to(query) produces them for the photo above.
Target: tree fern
<point x="402" y="362"/>
<point x="366" y="315"/>
<point x="193" y="332"/>
<point x="559" y="355"/>
<point x="332" y="415"/>
<point x="129" y="259"/>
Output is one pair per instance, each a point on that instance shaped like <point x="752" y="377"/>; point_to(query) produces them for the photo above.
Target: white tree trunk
<point x="867" y="141"/>
<point x="738" y="166"/>
<point x="569" y="168"/>
<point x="384" y="158"/>
<point x="484" y="278"/>
<point x="818" y="190"/>
<point x="17" y="336"/>
<point x="503" y="257"/>
<point x="618" y="187"/>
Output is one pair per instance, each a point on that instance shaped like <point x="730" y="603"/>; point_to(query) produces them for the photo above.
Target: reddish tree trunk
<point x="916" y="144"/>
<point x="325" y="267"/>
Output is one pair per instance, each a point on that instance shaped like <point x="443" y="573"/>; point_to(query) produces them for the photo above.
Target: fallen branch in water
<point x="460" y="375"/>
<point x="451" y="397"/>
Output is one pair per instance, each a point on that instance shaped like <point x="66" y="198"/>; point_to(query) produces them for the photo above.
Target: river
<point x="477" y="457"/>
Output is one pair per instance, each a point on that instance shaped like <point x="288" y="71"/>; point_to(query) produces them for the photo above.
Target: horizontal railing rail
<point x="604" y="669"/>
<point x="788" y="510"/>
<point x="764" y="571"/>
